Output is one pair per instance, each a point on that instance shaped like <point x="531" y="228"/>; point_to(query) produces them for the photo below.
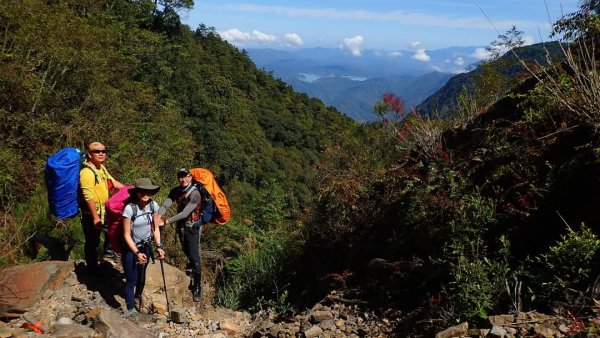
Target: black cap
<point x="183" y="172"/>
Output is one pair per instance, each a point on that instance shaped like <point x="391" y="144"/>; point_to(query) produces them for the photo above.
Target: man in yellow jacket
<point x="95" y="183"/>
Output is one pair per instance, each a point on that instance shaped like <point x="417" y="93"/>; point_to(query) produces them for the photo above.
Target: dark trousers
<point x="92" y="240"/>
<point x="135" y="275"/>
<point x="189" y="237"/>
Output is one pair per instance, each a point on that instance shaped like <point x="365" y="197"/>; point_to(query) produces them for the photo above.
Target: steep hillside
<point x="449" y="220"/>
<point x="152" y="90"/>
<point x="160" y="96"/>
<point x="446" y="98"/>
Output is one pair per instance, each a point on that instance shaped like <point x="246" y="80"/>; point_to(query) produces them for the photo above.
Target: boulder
<point x="109" y="323"/>
<point x="21" y="287"/>
<point x="313" y="332"/>
<point x="319" y="316"/>
<point x="497" y="332"/>
<point x="73" y="331"/>
<point x="230" y="327"/>
<point x="177" y="285"/>
<point x="178" y="316"/>
<point x="455" y="331"/>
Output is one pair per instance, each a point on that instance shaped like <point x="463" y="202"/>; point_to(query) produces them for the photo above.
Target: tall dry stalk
<point x="11" y="240"/>
<point x="575" y="84"/>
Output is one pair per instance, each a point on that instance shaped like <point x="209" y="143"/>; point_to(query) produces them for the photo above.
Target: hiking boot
<point x="110" y="254"/>
<point x="196" y="292"/>
<point x="196" y="288"/>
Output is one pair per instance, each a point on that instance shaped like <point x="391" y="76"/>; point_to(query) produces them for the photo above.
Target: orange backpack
<point x="207" y="179"/>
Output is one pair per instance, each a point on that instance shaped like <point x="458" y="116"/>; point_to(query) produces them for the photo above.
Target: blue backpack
<point x="62" y="182"/>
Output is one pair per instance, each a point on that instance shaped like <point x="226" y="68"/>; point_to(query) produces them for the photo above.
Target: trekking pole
<point x="162" y="269"/>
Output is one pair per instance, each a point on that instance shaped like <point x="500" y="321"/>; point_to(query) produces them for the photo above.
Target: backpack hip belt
<point x="190" y="224"/>
<point x="146" y="247"/>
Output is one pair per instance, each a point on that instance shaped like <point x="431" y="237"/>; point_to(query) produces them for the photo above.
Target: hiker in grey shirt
<point x="194" y="208"/>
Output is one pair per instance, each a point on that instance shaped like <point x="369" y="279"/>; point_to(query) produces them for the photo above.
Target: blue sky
<point x="355" y="25"/>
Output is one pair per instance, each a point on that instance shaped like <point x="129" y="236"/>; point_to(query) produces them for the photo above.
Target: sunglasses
<point x="98" y="151"/>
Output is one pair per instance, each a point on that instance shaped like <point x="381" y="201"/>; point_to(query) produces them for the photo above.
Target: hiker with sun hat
<point x="140" y="228"/>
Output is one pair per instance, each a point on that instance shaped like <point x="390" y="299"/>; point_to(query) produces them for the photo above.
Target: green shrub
<point x="269" y="206"/>
<point x="566" y="266"/>
<point x="477" y="273"/>
<point x="279" y="306"/>
<point x="478" y="280"/>
<point x="259" y="275"/>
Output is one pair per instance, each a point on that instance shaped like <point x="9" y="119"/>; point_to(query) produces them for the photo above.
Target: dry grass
<point x="12" y="239"/>
<point x="575" y="83"/>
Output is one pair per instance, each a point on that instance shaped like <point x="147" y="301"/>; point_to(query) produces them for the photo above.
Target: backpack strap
<point x="96" y="180"/>
<point x="194" y="187"/>
<point x="135" y="208"/>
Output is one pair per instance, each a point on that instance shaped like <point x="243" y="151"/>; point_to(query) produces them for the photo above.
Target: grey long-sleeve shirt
<point x="193" y="201"/>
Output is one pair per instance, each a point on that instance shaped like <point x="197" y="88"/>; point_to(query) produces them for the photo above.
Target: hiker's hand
<point x="141" y="258"/>
<point x="98" y="223"/>
<point x="161" y="253"/>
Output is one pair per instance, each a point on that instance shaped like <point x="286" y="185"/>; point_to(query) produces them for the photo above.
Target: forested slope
<point x="431" y="217"/>
<point x="158" y="93"/>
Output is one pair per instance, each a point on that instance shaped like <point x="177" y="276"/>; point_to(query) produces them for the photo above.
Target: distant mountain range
<point x="445" y="98"/>
<point x="353" y="84"/>
<point x="357" y="98"/>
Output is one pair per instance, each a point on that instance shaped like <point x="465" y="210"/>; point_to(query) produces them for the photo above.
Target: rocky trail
<point x="59" y="299"/>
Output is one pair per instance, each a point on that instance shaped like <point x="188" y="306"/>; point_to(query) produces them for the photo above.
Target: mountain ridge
<point x="329" y="71"/>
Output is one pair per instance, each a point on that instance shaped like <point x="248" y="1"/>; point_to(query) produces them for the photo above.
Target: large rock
<point x="109" y="323"/>
<point x="230" y="327"/>
<point x="21" y="287"/>
<point x="177" y="285"/>
<point x="459" y="330"/>
<point x="73" y="331"/>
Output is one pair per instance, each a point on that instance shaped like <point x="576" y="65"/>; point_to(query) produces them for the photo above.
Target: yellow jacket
<point x="94" y="185"/>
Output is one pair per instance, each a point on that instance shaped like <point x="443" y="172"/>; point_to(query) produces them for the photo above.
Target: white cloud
<point x="481" y="54"/>
<point x="292" y="40"/>
<point x="415" y="44"/>
<point x="395" y="54"/>
<point x="448" y="70"/>
<point x="528" y="40"/>
<point x="353" y="45"/>
<point x="459" y="61"/>
<point x="235" y="36"/>
<point x="420" y="55"/>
